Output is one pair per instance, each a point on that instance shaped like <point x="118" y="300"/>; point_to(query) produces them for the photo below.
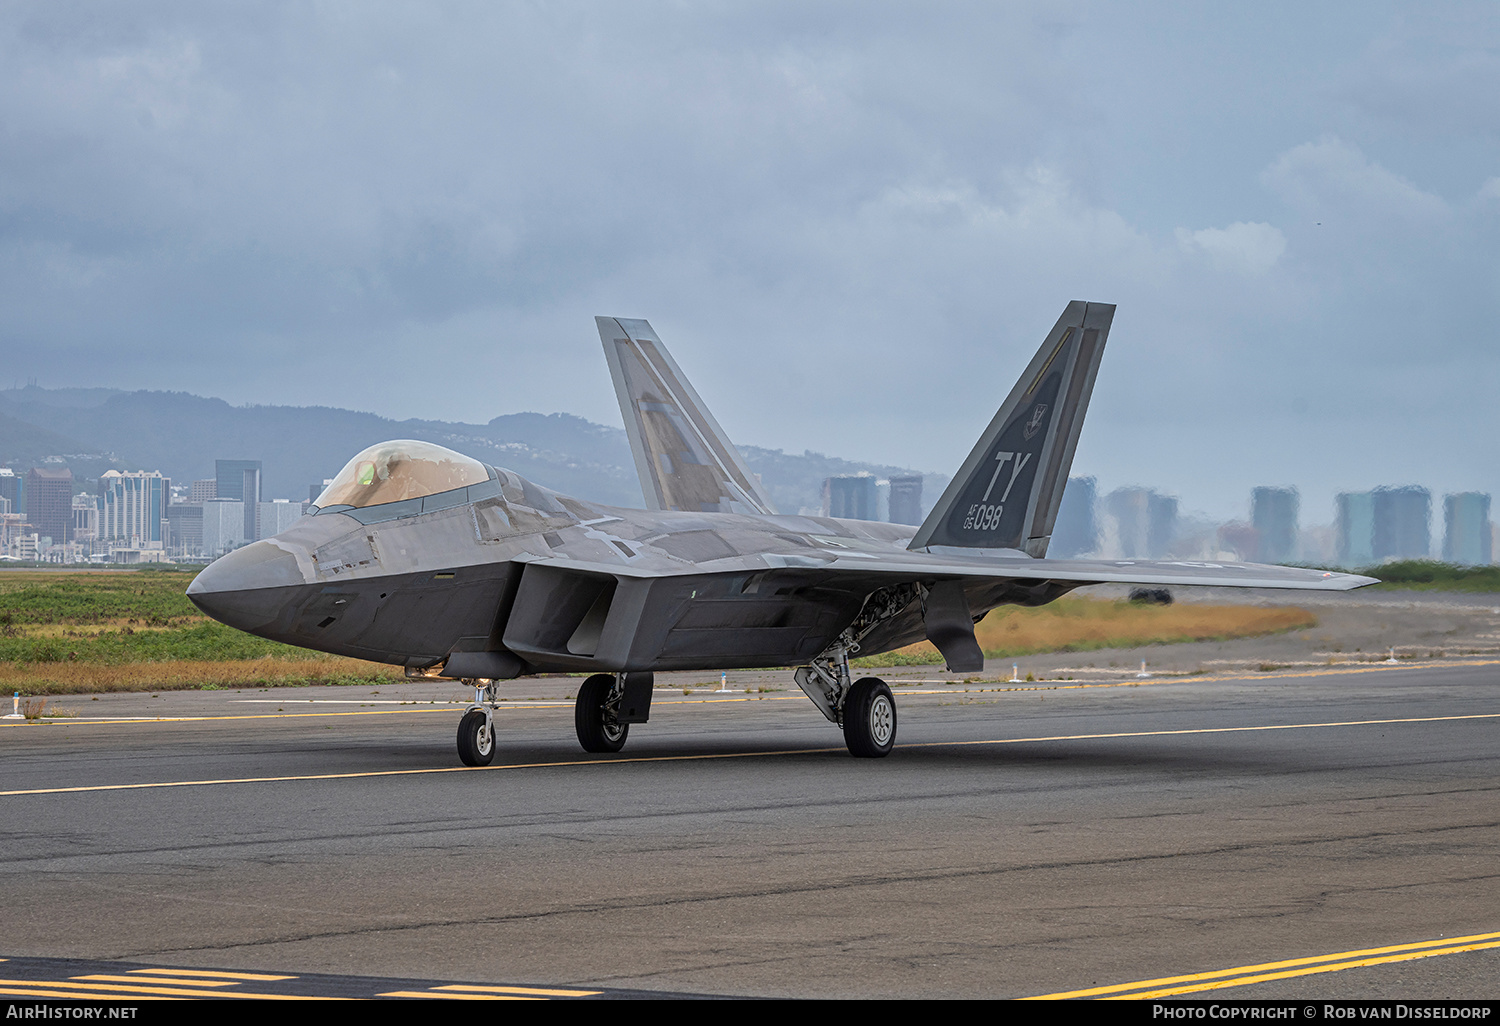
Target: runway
<point x="1124" y="838"/>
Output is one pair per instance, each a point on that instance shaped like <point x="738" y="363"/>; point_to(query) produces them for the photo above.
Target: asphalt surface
<point x="1021" y="840"/>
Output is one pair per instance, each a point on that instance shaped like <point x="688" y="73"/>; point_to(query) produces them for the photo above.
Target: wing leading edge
<point x="685" y="461"/>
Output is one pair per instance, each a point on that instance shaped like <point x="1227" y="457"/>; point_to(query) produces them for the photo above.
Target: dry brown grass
<point x="86" y="678"/>
<point x="1080" y="624"/>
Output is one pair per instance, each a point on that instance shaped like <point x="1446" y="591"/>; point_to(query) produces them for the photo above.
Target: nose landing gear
<point x="476" y="731"/>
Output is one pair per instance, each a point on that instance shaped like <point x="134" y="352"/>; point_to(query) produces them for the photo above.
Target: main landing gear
<point x="608" y="703"/>
<point x="870" y="719"/>
<point x="596" y="716"/>
<point x="476" y="731"/>
<point x="864" y="708"/>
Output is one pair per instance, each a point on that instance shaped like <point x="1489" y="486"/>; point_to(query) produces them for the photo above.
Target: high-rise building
<point x="277" y="516"/>
<point x="1076" y="531"/>
<point x="223" y="526"/>
<point x="1130" y="508"/>
<point x="203" y="490"/>
<point x="11" y="488"/>
<point x="1273" y="514"/>
<point x="1355" y="527"/>
<point x="49" y="503"/>
<point x="850" y="497"/>
<point x="1467" y="534"/>
<point x="906" y="500"/>
<point x="1403" y="519"/>
<point x="133" y="507"/>
<point x="185" y="528"/>
<point x="1161" y="525"/>
<point x="1147" y="521"/>
<point x="229" y="479"/>
<point x="85" y="518"/>
<point x="250" y="496"/>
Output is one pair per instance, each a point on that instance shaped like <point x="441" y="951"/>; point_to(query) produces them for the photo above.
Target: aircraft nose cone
<point x="245" y="588"/>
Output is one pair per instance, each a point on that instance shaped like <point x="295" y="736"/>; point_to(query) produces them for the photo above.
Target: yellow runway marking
<point x="429" y="994"/>
<point x="1202" y="730"/>
<point x="417" y="772"/>
<point x="180" y="981"/>
<point x="89" y="990"/>
<point x="147" y="720"/>
<point x="1169" y="986"/>
<point x="734" y="755"/>
<point x="524" y="991"/>
<point x="40" y="991"/>
<point x="211" y="973"/>
<point x="977" y="688"/>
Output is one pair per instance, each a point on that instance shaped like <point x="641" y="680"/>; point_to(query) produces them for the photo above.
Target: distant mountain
<point x="25" y="445"/>
<point x="299" y="446"/>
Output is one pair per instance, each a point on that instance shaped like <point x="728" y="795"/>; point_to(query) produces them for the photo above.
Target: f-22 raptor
<point x="456" y="570"/>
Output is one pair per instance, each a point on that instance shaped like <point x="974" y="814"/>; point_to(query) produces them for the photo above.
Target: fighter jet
<point x="422" y="557"/>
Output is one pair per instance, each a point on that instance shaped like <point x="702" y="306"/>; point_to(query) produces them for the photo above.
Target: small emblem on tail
<point x="1035" y="422"/>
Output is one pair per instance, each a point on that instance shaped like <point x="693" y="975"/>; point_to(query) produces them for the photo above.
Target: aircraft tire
<point x="870" y="719"/>
<point x="594" y="733"/>
<point x="476" y="740"/>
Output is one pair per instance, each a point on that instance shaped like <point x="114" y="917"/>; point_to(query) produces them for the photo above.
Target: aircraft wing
<point x="758" y="597"/>
<point x="685" y="461"/>
<point x="1080" y="572"/>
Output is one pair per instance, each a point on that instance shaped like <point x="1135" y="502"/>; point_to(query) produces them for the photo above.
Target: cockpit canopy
<point x="400" y="471"/>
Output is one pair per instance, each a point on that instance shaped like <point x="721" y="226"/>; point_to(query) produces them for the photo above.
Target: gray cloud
<point x="853" y="223"/>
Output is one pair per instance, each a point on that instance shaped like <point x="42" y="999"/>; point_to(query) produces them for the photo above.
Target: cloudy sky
<point x="852" y="222"/>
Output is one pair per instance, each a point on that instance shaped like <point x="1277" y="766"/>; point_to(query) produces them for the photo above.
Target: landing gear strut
<point x="864" y="708"/>
<point x="476" y="731"/>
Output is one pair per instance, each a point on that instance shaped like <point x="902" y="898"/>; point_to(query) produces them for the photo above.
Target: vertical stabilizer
<point x="1006" y="494"/>
<point x="683" y="457"/>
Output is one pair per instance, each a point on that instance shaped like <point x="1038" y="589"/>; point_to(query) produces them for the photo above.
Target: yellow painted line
<point x="734" y="755"/>
<point x="1341" y="669"/>
<point x="418" y="772"/>
<point x="192" y="982"/>
<point x="1268" y="970"/>
<point x="528" y="991"/>
<point x="976" y="689"/>
<point x="85" y="722"/>
<point x="78" y="990"/>
<point x="1333" y="968"/>
<point x="73" y="995"/>
<point x="430" y="994"/>
<point x="1200" y="730"/>
<point x="214" y="973"/>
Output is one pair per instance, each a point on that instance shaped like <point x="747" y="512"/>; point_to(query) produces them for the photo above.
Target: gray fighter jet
<point x="423" y="557"/>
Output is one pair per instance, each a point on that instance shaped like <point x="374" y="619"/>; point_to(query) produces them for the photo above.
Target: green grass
<point x="117" y="618"/>
<point x="150" y="597"/>
<point x="1082" y="624"/>
<point x="198" y="641"/>
<point x="1430" y="575"/>
<point x="89" y="632"/>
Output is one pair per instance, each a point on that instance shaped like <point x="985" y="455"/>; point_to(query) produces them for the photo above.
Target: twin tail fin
<point x="1006" y="494"/>
<point x="684" y="459"/>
